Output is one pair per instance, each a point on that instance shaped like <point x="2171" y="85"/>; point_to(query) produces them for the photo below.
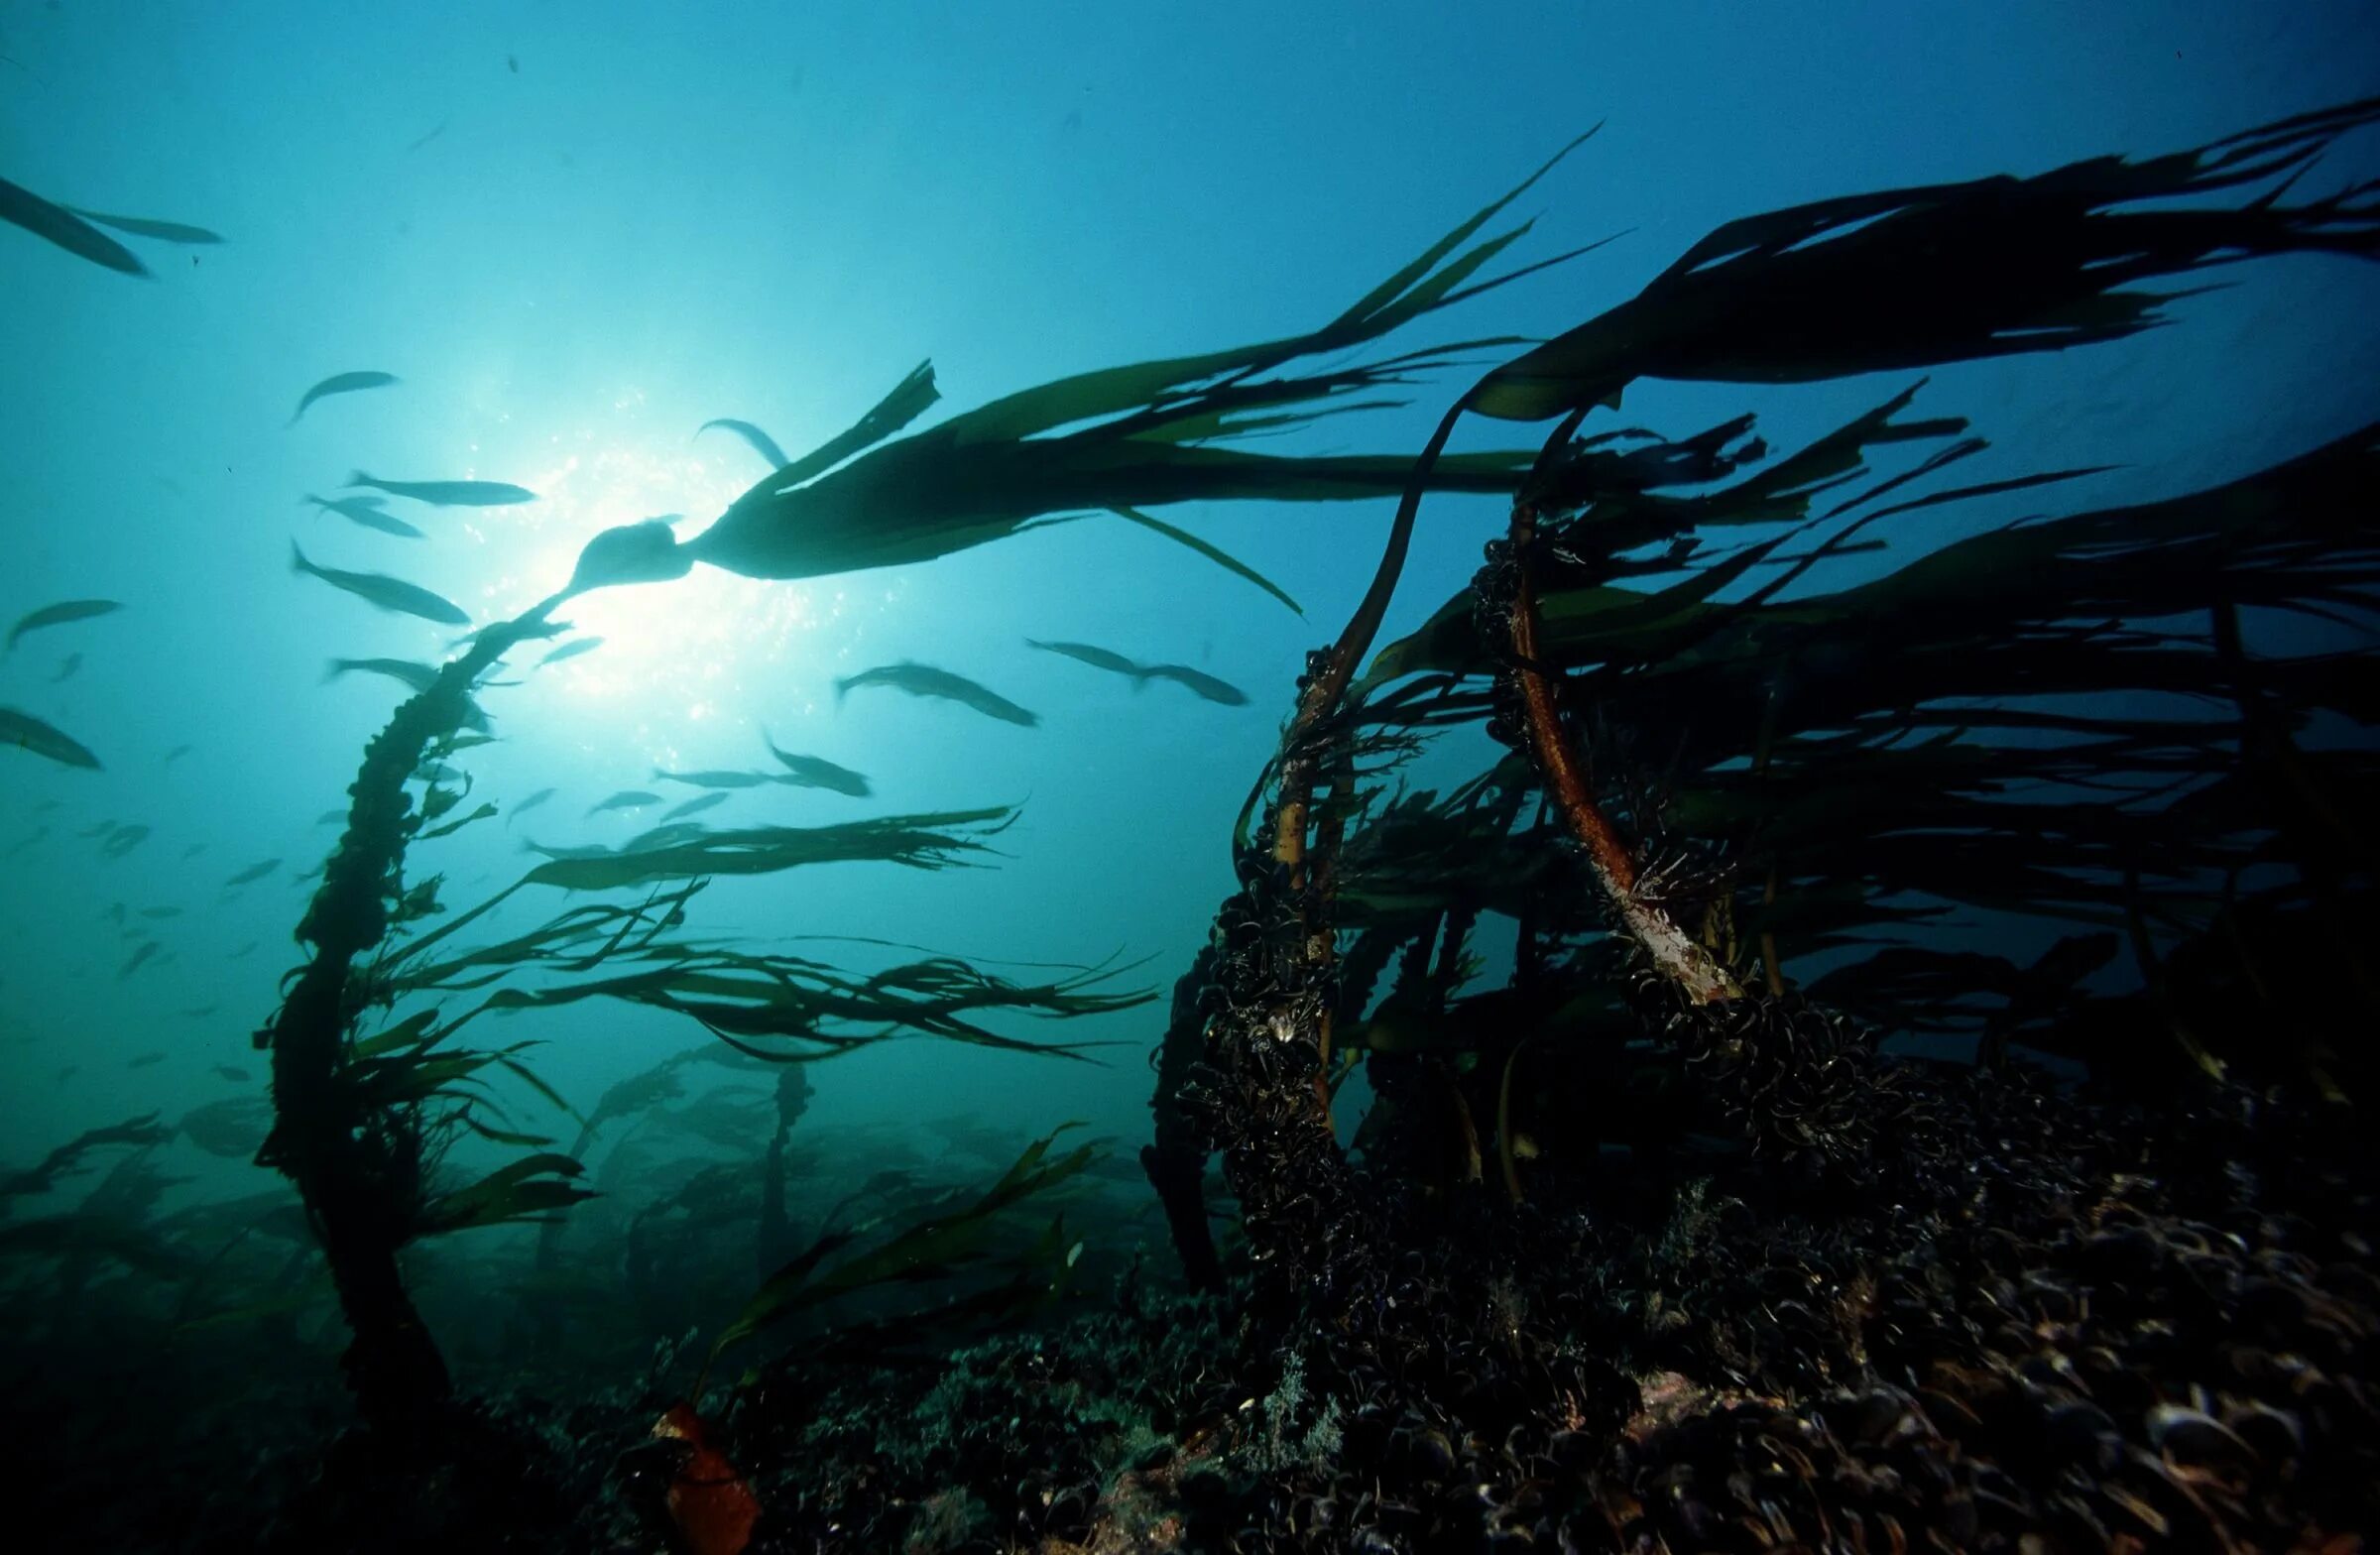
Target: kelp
<point x="139" y="1133"/>
<point x="1116" y="440"/>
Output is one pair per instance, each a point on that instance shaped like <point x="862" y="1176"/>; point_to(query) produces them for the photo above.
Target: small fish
<point x="449" y="494"/>
<point x="253" y="873"/>
<point x="66" y="1073"/>
<point x="366" y="511"/>
<point x="26" y="841"/>
<point x="22" y="207"/>
<point x="44" y="739"/>
<point x="585" y="645"/>
<point x="432" y="136"/>
<point x="149" y="947"/>
<point x="1096" y="657"/>
<point x="715" y="779"/>
<point x="144" y="227"/>
<point x="194" y="850"/>
<point x="761" y="443"/>
<point x="330" y="817"/>
<point x="199" y="1012"/>
<point x="415" y="675"/>
<point x="144" y="1060"/>
<point x="242" y="951"/>
<point x="1201" y="684"/>
<point x="625" y="799"/>
<point x="58" y="615"/>
<point x="72" y="663"/>
<point x="232" y="1072"/>
<point x="812" y="772"/>
<point x="123" y="840"/>
<point x="512" y="63"/>
<point x="532" y="802"/>
<point x="437" y="772"/>
<point x="694" y="806"/>
<point x="927" y="681"/>
<point x="340" y="383"/>
<point x="160" y="912"/>
<point x="174" y="754"/>
<point x="115" y="912"/>
<point x="378" y="588"/>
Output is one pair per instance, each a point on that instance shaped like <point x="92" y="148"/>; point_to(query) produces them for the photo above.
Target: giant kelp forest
<point x="1868" y="1058"/>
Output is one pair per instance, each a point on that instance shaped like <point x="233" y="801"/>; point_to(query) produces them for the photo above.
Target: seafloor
<point x="2034" y="1320"/>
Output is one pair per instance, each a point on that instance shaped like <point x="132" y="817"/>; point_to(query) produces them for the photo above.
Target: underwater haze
<point x="556" y="247"/>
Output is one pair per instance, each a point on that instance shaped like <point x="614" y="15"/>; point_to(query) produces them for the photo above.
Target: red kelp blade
<point x="713" y="1508"/>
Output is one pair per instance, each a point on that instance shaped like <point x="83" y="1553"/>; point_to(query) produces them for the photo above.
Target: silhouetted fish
<point x="26" y="731"/>
<point x="715" y="779"/>
<point x="940" y="684"/>
<point x="378" y="588"/>
<point x="231" y="1072"/>
<point x="58" y="615"/>
<point x="341" y="383"/>
<point x="449" y="494"/>
<point x="22" y="207"/>
<point x="1199" y="681"/>
<point x="1084" y="653"/>
<point x="253" y="873"/>
<point x="149" y="947"/>
<point x="365" y="511"/>
<point x="148" y="227"/>
<point x="532" y="802"/>
<point x="71" y="663"/>
<point x="813" y="772"/>
<point x="585" y="645"/>
<point x="174" y="754"/>
<point x="625" y="799"/>
<point x="761" y="443"/>
<point x="144" y="1060"/>
<point x="694" y="806"/>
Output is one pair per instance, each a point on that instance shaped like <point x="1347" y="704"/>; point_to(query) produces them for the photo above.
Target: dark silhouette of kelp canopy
<point x="1715" y="774"/>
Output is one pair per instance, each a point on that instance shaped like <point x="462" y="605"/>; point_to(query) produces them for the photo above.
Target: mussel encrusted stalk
<point x="359" y="1170"/>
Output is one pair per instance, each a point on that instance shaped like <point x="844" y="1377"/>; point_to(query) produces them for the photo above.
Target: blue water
<point x="577" y="232"/>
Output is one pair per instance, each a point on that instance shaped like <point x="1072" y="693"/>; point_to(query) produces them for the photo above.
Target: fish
<point x="58" y="615"/>
<point x="714" y="779"/>
<point x="1084" y="653"/>
<point x="66" y="1073"/>
<point x="144" y="1060"/>
<point x="253" y="873"/>
<point x="328" y="817"/>
<point x="174" y="754"/>
<point x="432" y="136"/>
<point x="694" y="806"/>
<point x="123" y="840"/>
<point x="625" y="799"/>
<point x="1198" y="681"/>
<point x="149" y="947"/>
<point x="927" y="681"/>
<point x="1201" y="684"/>
<point x="449" y="494"/>
<point x="194" y="850"/>
<point x="532" y="802"/>
<point x="761" y="443"/>
<point x="366" y="511"/>
<point x="20" y="206"/>
<point x="585" y="645"/>
<point x="26" y="841"/>
<point x="812" y="772"/>
<point x="379" y="589"/>
<point x="44" y="740"/>
<point x="242" y="951"/>
<point x="148" y="227"/>
<point x="409" y="673"/>
<point x="160" y="912"/>
<point x="342" y="383"/>
<point x="72" y="663"/>
<point x="115" y="912"/>
<point x="232" y="1072"/>
<point x="233" y="1128"/>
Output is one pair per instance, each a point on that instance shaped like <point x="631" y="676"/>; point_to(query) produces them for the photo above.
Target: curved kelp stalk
<point x="357" y="1163"/>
